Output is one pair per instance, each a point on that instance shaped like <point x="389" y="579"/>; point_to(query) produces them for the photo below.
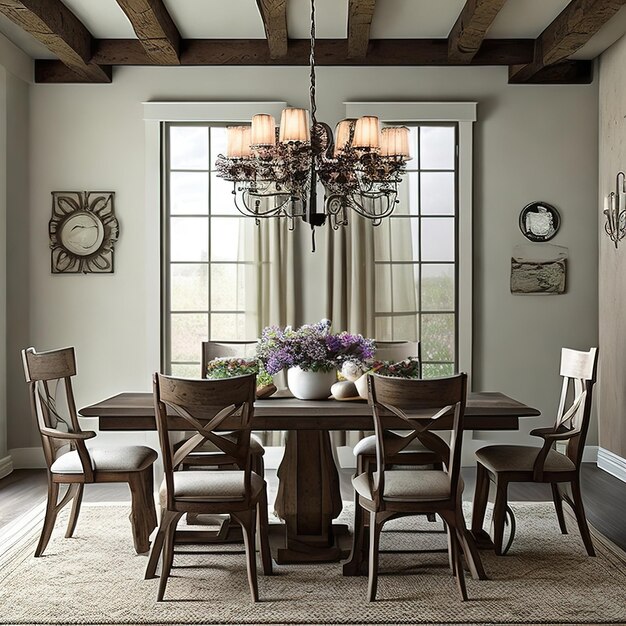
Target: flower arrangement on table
<point x="227" y="367"/>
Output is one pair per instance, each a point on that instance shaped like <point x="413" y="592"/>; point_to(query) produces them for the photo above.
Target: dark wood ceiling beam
<point x="274" y="16"/>
<point x="154" y="28"/>
<point x="579" y="21"/>
<point x="403" y="52"/>
<point x="469" y="30"/>
<point x="57" y="28"/>
<point x="360" y="14"/>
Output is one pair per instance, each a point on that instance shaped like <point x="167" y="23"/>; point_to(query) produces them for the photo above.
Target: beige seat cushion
<point x="407" y="485"/>
<point x="219" y="486"/>
<point x="367" y="445"/>
<point x="120" y="459"/>
<point x="521" y="459"/>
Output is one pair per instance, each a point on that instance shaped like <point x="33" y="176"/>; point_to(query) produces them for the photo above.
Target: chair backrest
<point x="48" y="375"/>
<point x="431" y="401"/>
<point x="399" y="351"/>
<point x="579" y="371"/>
<point x="204" y="405"/>
<point x="217" y="349"/>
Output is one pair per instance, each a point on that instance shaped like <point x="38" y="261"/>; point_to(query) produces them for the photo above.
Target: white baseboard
<point x="590" y="454"/>
<point x="612" y="463"/>
<point x="6" y="466"/>
<point x="28" y="458"/>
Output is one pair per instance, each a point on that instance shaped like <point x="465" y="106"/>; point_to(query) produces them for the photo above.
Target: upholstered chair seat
<point x="122" y="459"/>
<point x="367" y="445"/>
<point x="406" y="485"/>
<point x="521" y="459"/>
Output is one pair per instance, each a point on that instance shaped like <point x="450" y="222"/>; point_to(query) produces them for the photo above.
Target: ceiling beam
<point x="360" y="14"/>
<point x="57" y="28"/>
<point x="469" y="30"/>
<point x="579" y="21"/>
<point x="274" y="16"/>
<point x="154" y="28"/>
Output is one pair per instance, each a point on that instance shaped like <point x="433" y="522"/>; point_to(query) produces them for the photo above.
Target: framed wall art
<point x="83" y="230"/>
<point x="539" y="221"/>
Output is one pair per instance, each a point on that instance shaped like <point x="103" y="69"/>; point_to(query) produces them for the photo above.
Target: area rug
<point x="95" y="578"/>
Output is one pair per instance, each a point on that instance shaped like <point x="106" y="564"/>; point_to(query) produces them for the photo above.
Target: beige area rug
<point x="95" y="578"/>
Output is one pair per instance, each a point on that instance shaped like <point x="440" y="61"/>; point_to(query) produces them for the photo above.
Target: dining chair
<point x="390" y="493"/>
<point x="241" y="493"/>
<point x="68" y="459"/>
<point x="504" y="464"/>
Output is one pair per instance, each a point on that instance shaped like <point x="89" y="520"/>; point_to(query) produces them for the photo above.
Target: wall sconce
<point x="615" y="226"/>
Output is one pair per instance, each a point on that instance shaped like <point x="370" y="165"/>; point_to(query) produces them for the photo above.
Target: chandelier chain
<point x="312" y="67"/>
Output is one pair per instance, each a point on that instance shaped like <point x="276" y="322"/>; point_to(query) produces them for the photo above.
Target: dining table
<point x="309" y="497"/>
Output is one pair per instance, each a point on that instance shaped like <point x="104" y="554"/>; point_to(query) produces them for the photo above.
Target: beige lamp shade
<point x="394" y="142"/>
<point x="367" y="133"/>
<point x="294" y="126"/>
<point x="263" y="131"/>
<point x="238" y="142"/>
<point x="342" y="135"/>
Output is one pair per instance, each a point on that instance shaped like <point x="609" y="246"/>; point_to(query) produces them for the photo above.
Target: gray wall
<point x="612" y="277"/>
<point x="531" y="143"/>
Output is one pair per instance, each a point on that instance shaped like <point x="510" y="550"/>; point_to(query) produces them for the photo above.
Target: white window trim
<point x="464" y="114"/>
<point x="154" y="113"/>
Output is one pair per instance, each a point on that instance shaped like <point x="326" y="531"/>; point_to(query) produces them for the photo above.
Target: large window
<point x="415" y="252"/>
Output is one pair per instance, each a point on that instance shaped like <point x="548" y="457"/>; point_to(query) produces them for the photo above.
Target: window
<point x="415" y="252"/>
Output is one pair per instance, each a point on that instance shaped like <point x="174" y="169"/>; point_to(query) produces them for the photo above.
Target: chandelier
<point x="275" y="171"/>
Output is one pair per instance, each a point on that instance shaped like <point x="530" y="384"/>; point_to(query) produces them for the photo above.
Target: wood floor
<point x="604" y="496"/>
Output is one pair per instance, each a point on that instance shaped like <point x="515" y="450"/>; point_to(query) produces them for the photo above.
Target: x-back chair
<point x="68" y="459"/>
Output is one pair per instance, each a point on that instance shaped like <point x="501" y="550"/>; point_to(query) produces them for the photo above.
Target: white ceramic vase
<point x="307" y="385"/>
<point x="361" y="386"/>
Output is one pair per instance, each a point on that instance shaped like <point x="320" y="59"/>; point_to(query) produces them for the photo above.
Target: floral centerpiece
<point x="227" y="367"/>
<point x="311" y="349"/>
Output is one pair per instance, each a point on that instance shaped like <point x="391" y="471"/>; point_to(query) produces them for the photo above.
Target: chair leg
<point x="170" y="521"/>
<point x="481" y="496"/>
<point x="376" y="524"/>
<point x="469" y="547"/>
<point x="157" y="548"/>
<point x="558" y="505"/>
<point x="454" y="548"/>
<point x="579" y="510"/>
<point x="50" y="518"/>
<point x="247" y="519"/>
<point x="499" y="515"/>
<point x="78" y="489"/>
<point x="143" y="514"/>
<point x="263" y="532"/>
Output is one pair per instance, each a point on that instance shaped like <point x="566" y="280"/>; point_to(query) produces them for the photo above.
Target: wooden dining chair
<point x="389" y="493"/>
<point x="504" y="464"/>
<point x="241" y="493"/>
<point x="70" y="462"/>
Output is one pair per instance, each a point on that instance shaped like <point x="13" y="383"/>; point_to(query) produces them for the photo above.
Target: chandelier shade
<point x="275" y="172"/>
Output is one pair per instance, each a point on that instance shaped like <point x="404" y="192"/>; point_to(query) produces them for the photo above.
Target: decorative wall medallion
<point x="539" y="221"/>
<point x="538" y="269"/>
<point x="83" y="230"/>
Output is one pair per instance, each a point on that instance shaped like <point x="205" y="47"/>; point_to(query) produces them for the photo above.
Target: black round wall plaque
<point x="539" y="221"/>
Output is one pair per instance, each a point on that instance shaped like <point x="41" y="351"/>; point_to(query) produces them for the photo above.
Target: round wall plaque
<point x="539" y="221"/>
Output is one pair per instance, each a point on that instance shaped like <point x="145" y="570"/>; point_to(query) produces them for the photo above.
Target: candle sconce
<point x="615" y="226"/>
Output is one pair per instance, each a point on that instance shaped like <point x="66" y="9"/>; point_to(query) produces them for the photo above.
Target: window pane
<point x="228" y="326"/>
<point x="382" y="297"/>
<point x="218" y="142"/>
<point x="227" y="287"/>
<point x="188" y="331"/>
<point x="222" y="197"/>
<point x="189" y="239"/>
<point x="189" y="193"/>
<point x="413" y="133"/>
<point x="437" y="239"/>
<point x="189" y="147"/>
<point x="189" y="287"/>
<point x="383" y="329"/>
<point x="437" y="147"/>
<point x="437" y="287"/>
<point x="438" y="337"/>
<point x="225" y="238"/>
<point x="186" y="370"/>
<point x="404" y="239"/>
<point x="408" y="195"/>
<point x="381" y="241"/>
<point x="437" y="193"/>
<point x="405" y="327"/>
<point x="405" y="280"/>
<point x="437" y="370"/>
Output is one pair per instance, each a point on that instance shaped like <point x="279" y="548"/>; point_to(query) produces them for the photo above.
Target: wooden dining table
<point x="309" y="497"/>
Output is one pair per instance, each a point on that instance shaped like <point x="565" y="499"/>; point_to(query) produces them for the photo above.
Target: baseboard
<point x="590" y="454"/>
<point x="612" y="463"/>
<point x="6" y="466"/>
<point x="28" y="458"/>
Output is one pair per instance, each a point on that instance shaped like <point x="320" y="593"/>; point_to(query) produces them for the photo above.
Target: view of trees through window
<point x="210" y="265"/>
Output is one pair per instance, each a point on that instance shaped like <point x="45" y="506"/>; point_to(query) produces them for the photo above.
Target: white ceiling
<point x="393" y="19"/>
